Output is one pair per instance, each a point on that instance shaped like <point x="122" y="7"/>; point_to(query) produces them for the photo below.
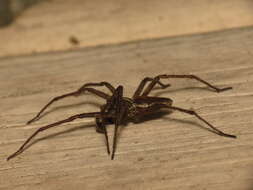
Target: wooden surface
<point x="47" y="26"/>
<point x="172" y="152"/>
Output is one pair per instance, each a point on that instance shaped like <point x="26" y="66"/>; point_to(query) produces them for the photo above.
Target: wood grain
<point x="48" y="26"/>
<point x="172" y="152"/>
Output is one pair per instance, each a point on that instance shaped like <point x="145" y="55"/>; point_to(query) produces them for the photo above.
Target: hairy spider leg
<point x="101" y="127"/>
<point x="153" y="100"/>
<point x="159" y="77"/>
<point x="110" y="109"/>
<point x="191" y="112"/>
<point x="78" y="116"/>
<point x="120" y="110"/>
<point x="77" y="93"/>
<point x="106" y="84"/>
<point x="143" y="84"/>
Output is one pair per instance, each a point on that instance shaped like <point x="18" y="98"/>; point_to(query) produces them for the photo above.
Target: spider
<point x="119" y="109"/>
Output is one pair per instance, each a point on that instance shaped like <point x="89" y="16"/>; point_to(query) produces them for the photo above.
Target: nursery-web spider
<point x="119" y="109"/>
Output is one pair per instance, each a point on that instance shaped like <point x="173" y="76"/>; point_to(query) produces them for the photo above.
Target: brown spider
<point x="119" y="109"/>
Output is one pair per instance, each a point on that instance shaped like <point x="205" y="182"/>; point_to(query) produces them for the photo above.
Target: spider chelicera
<point x="119" y="109"/>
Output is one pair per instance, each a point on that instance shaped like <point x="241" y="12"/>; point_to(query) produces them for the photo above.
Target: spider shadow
<point x="94" y="104"/>
<point x="192" y="123"/>
<point x="143" y="119"/>
<point x="162" y="115"/>
<point x="54" y="135"/>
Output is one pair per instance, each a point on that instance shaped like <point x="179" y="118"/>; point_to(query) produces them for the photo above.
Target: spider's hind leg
<point x="191" y="112"/>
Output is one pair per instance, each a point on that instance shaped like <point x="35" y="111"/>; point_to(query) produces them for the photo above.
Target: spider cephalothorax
<point x="119" y="109"/>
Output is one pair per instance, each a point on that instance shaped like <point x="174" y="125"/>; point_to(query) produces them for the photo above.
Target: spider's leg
<point x="83" y="115"/>
<point x="157" y="78"/>
<point x="77" y="93"/>
<point x="143" y="83"/>
<point x="119" y="113"/>
<point x="191" y="112"/>
<point x="101" y="128"/>
<point x="106" y="84"/>
<point x="154" y="100"/>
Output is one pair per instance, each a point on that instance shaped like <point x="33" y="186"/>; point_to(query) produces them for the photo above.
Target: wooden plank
<point x="48" y="26"/>
<point x="171" y="152"/>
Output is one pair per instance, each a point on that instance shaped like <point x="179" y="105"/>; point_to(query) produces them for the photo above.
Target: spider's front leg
<point x="101" y="126"/>
<point x="120" y="110"/>
<point x="78" y="116"/>
<point x="80" y="91"/>
<point x="159" y="77"/>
